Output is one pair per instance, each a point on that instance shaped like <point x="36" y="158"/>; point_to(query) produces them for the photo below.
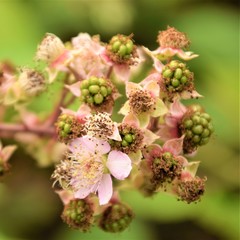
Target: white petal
<point x="105" y="190"/>
<point x="75" y="88"/>
<point x="82" y="193"/>
<point x="132" y="87"/>
<point x="119" y="164"/>
<point x="116" y="135"/>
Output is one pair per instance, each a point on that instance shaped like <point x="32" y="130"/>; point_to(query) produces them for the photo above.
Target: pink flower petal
<point x="174" y="146"/>
<point x="91" y="144"/>
<point x="132" y="87"/>
<point x="153" y="88"/>
<point x="177" y="109"/>
<point x="65" y="195"/>
<point x="119" y="164"/>
<point x="82" y="193"/>
<point x="131" y="119"/>
<point x="122" y="71"/>
<point x="75" y="88"/>
<point x="105" y="189"/>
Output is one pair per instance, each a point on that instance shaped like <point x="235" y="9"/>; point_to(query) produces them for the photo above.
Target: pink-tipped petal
<point x="105" y="189"/>
<point x="132" y="87"/>
<point x="65" y="195"/>
<point x="153" y="88"/>
<point x="122" y="71"/>
<point x="119" y="164"/>
<point x="174" y="146"/>
<point x="75" y="88"/>
<point x="149" y="137"/>
<point x="116" y="135"/>
<point x="131" y="119"/>
<point x="183" y="160"/>
<point x="177" y="109"/>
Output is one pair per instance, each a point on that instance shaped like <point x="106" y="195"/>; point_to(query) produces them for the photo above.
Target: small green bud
<point x="196" y="138"/>
<point x="173" y="64"/>
<point x="178" y="73"/>
<point x="128" y="138"/>
<point x="129" y="46"/>
<point x="93" y="81"/>
<point x="183" y="80"/>
<point x="124" y="143"/>
<point x="84" y="84"/>
<point x="98" y="98"/>
<point x="103" y="91"/>
<point x="196" y="119"/>
<point x="167" y="155"/>
<point x="85" y="92"/>
<point x="122" y="50"/>
<point x="187" y="73"/>
<point x="67" y="128"/>
<point x="61" y="124"/>
<point x="188" y="123"/>
<point x="175" y="82"/>
<point x="90" y="100"/>
<point x="210" y="127"/>
<point x="116" y="45"/>
<point x="205" y="133"/>
<point x="189" y="134"/>
<point x="198" y="129"/>
<point x="167" y="73"/>
<point x="94" y="89"/>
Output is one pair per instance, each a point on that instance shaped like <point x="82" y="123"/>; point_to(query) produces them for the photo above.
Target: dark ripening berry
<point x="116" y="218"/>
<point x="78" y="214"/>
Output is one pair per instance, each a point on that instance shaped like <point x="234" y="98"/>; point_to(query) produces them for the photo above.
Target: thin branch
<point x="8" y="130"/>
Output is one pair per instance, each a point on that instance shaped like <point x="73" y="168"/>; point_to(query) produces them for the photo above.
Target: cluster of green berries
<point x="95" y="90"/>
<point x="78" y="214"/>
<point x="64" y="125"/>
<point x="177" y="77"/>
<point x="121" y="48"/>
<point x="165" y="169"/>
<point x="132" y="139"/>
<point x="116" y="218"/>
<point x="197" y="128"/>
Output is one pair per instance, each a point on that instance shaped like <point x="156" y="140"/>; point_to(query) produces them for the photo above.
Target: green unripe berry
<point x="67" y="128"/>
<point x="167" y="155"/>
<point x="102" y="81"/>
<point x="173" y="64"/>
<point x="61" y="124"/>
<point x="196" y="119"/>
<point x="196" y="138"/>
<point x="103" y="91"/>
<point x="203" y="122"/>
<point x="189" y="134"/>
<point x="94" y="89"/>
<point x="129" y="46"/>
<point x="85" y="92"/>
<point x="178" y="73"/>
<point x="122" y="50"/>
<point x="175" y="82"/>
<point x="124" y="143"/>
<point x="93" y="81"/>
<point x="116" y="45"/>
<point x="206" y="116"/>
<point x="210" y="127"/>
<point x="109" y="90"/>
<point x="84" y="84"/>
<point x="63" y="134"/>
<point x="128" y="138"/>
<point x="187" y="73"/>
<point x="204" y="141"/>
<point x="167" y="73"/>
<point x="198" y="129"/>
<point x="205" y="133"/>
<point x="183" y="80"/>
<point x="90" y="100"/>
<point x="98" y="98"/>
<point x="188" y="123"/>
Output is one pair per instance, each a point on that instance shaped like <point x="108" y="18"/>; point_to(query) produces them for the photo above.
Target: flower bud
<point x="78" y="214"/>
<point x="116" y="218"/>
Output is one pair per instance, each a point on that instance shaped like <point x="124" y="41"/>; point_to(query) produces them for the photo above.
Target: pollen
<point x="141" y="101"/>
<point x="99" y="125"/>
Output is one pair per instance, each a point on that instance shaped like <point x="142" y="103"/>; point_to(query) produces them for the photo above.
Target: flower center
<point x="141" y="101"/>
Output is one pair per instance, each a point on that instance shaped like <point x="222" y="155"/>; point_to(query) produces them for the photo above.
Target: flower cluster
<point x="146" y="146"/>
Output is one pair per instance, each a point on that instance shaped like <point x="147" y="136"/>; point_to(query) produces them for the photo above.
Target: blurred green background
<point x="30" y="210"/>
